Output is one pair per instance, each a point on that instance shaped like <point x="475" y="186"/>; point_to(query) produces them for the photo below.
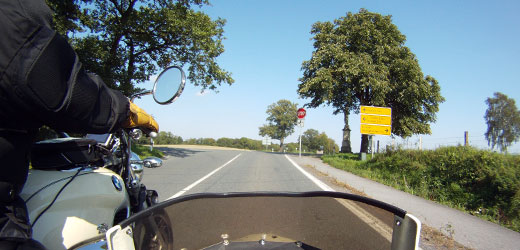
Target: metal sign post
<point x="372" y="145"/>
<point x="301" y="118"/>
<point x="300" y="155"/>
<point x="301" y="124"/>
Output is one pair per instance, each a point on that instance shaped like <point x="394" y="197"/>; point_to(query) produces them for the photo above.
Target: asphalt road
<point x="250" y="171"/>
<point x="320" y="222"/>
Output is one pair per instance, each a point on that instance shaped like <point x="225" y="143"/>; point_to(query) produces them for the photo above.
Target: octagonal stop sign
<point x="301" y="113"/>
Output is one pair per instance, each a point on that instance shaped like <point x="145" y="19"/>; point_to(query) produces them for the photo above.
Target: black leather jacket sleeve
<point x="42" y="80"/>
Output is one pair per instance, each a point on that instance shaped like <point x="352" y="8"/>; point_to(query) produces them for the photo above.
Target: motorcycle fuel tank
<point x="83" y="209"/>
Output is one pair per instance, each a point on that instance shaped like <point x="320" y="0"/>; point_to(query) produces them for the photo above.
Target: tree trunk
<point x="345" y="145"/>
<point x="364" y="144"/>
<point x="281" y="145"/>
<point x="126" y="85"/>
<point x="110" y="63"/>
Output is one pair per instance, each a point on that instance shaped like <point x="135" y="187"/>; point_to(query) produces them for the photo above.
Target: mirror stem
<point x="139" y="95"/>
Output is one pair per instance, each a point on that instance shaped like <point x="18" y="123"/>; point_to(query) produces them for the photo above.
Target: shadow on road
<point x="178" y="152"/>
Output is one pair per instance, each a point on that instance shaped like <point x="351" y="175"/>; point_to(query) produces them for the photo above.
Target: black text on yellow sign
<point x="376" y="119"/>
<point x="375" y="110"/>
<point x="375" y="129"/>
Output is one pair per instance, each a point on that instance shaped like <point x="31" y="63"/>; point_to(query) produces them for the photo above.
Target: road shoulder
<point x="468" y="230"/>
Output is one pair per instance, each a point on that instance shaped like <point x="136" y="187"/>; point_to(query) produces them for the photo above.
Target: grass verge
<point x="144" y="151"/>
<point x="479" y="182"/>
<point x="431" y="238"/>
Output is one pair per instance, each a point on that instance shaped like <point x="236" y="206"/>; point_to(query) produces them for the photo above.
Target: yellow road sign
<point x="375" y="110"/>
<point x="375" y="129"/>
<point x="376" y="119"/>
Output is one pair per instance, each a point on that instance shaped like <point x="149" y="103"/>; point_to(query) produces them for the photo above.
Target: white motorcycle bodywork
<point x="85" y="208"/>
<point x="64" y="215"/>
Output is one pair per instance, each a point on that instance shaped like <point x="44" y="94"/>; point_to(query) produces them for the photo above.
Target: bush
<point x="478" y="181"/>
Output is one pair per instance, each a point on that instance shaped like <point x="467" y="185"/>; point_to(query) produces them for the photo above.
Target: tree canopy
<point x="313" y="140"/>
<point x="163" y="138"/>
<point x="310" y="140"/>
<point x="126" y="42"/>
<point x="281" y="120"/>
<point x="361" y="59"/>
<point x="503" y="121"/>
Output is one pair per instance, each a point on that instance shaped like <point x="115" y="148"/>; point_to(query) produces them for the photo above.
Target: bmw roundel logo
<point x="117" y="183"/>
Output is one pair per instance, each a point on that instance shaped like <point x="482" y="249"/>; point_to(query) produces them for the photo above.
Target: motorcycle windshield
<point x="316" y="220"/>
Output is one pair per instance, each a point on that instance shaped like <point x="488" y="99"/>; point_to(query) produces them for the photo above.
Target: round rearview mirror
<point x="169" y="85"/>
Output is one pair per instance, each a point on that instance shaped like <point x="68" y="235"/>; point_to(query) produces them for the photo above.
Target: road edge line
<point x="372" y="221"/>
<point x="186" y="189"/>
<point x="320" y="184"/>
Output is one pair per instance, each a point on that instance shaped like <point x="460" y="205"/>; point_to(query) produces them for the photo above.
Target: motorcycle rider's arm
<point x="46" y="79"/>
<point x="89" y="105"/>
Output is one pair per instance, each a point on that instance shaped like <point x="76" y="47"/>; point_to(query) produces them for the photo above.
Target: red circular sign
<point x="301" y="113"/>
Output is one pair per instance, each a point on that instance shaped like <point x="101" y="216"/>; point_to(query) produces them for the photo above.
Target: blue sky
<point x="471" y="47"/>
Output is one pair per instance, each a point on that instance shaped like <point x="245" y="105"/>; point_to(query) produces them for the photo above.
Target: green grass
<point x="144" y="151"/>
<point x="480" y="182"/>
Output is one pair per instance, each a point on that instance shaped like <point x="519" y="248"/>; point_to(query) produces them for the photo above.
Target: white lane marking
<point x="202" y="179"/>
<point x="320" y="184"/>
<point x="368" y="218"/>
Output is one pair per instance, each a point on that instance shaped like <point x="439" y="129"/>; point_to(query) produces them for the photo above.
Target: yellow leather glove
<point x="139" y="118"/>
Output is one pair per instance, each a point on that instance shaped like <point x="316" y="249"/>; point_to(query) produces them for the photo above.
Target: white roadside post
<point x="301" y="118"/>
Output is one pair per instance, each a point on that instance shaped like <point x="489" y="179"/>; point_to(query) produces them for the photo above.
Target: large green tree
<point x="313" y="140"/>
<point x="310" y="140"/>
<point x="281" y="119"/>
<point x="331" y="147"/>
<point x="127" y="41"/>
<point x="361" y="59"/>
<point x="503" y="121"/>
